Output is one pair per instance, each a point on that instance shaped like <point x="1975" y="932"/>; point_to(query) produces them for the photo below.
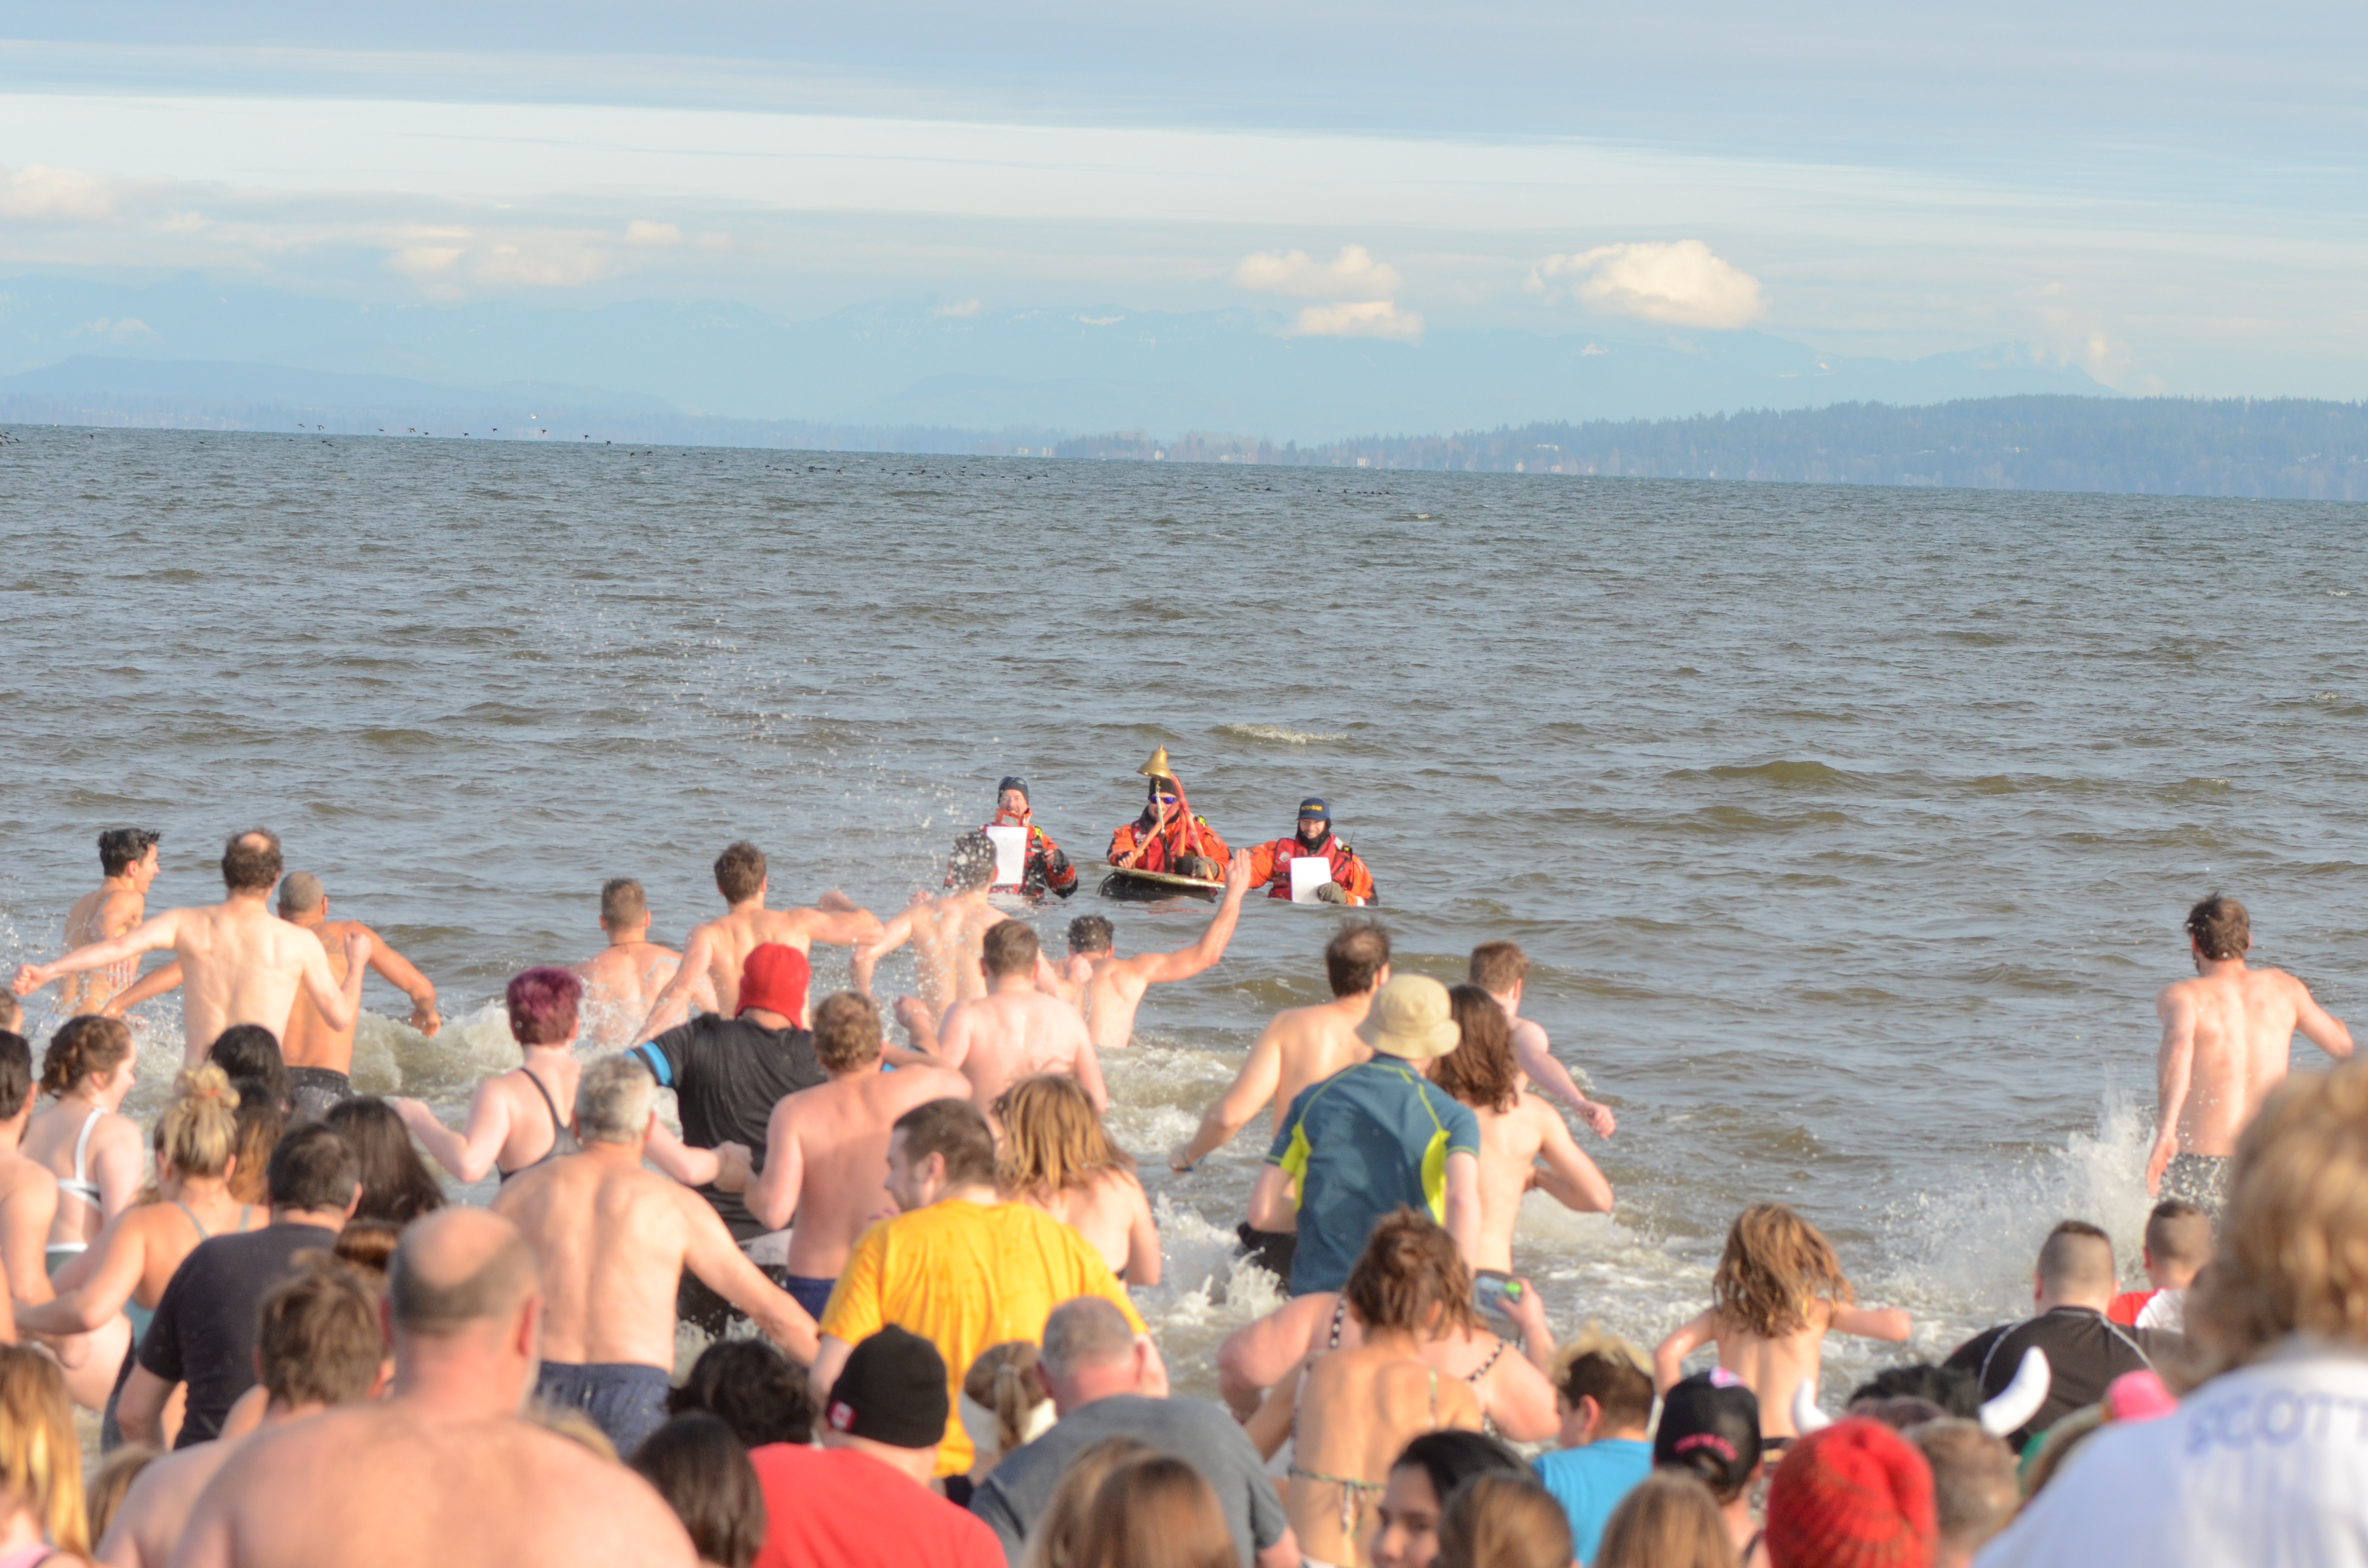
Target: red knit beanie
<point x="1855" y="1495"/>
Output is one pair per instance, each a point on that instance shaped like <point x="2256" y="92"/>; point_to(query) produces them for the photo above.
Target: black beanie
<point x="892" y="1390"/>
<point x="1012" y="784"/>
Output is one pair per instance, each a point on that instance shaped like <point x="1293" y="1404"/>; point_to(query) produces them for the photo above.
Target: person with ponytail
<point x="41" y="1517"/>
<point x="134" y="1258"/>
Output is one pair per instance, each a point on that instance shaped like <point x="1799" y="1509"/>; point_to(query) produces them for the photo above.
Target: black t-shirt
<point x="728" y="1074"/>
<point x="203" y="1333"/>
<point x="2084" y="1354"/>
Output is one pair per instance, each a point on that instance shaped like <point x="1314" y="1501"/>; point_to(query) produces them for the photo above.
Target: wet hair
<point x="1775" y="1264"/>
<point x="2077" y="1257"/>
<point x="701" y="1468"/>
<point x="40" y="1457"/>
<point x="198" y="1133"/>
<point x="2177" y="1233"/>
<point x="369" y="1245"/>
<point x="1667" y="1520"/>
<point x="740" y="872"/>
<point x="752" y="1388"/>
<point x="1355" y="957"/>
<point x="542" y="1003"/>
<point x="972" y="864"/>
<point x="1155" y="1511"/>
<point x="85" y="1046"/>
<point x="846" y="1031"/>
<point x="2292" y="1257"/>
<point x="397" y="1186"/>
<point x="1451" y="1458"/>
<point x="622" y="903"/>
<point x="261" y="1120"/>
<point x="1953" y="1390"/>
<point x="1053" y="1138"/>
<point x="955" y="1130"/>
<point x="1052" y="1543"/>
<point x="121" y="848"/>
<point x="1609" y="1371"/>
<point x="317" y="1334"/>
<point x="1091" y="934"/>
<point x="613" y="1100"/>
<point x="1497" y="966"/>
<point x="300" y="892"/>
<point x="246" y="868"/>
<point x="16" y="1072"/>
<point x="1480" y="1071"/>
<point x="312" y="1167"/>
<point x="1002" y="1382"/>
<point x="1974" y="1487"/>
<point x="439" y="1309"/>
<point x="2221" y="927"/>
<point x="1409" y="1268"/>
<point x="250" y="1054"/>
<point x="1009" y="948"/>
<point x="107" y="1488"/>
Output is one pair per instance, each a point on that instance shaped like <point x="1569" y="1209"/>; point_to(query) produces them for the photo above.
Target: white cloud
<point x="122" y="329"/>
<point x="422" y="261"/>
<point x="41" y="194"/>
<point x="1371" y="318"/>
<point x="1352" y="275"/>
<point x="540" y="266"/>
<point x="967" y="308"/>
<point x="1677" y="284"/>
<point x="640" y="232"/>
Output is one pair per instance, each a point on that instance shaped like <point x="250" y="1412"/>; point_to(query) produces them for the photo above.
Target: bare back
<point x="2237" y="1028"/>
<point x="731" y="939"/>
<point x="621" y="981"/>
<point x="610" y="1238"/>
<point x="1112" y="991"/>
<point x="95" y="917"/>
<point x="1009" y="1034"/>
<point x="365" y="1486"/>
<point x="1509" y="1142"/>
<point x="239" y="964"/>
<point x="1775" y="1367"/>
<point x="1356" y="1410"/>
<point x="148" y="1524"/>
<point x="1112" y="1212"/>
<point x="839" y="1131"/>
<point x="1313" y="1043"/>
<point x="308" y="1040"/>
<point x="948" y="935"/>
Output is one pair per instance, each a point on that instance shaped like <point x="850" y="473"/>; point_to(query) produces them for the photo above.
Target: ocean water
<point x="1850" y="830"/>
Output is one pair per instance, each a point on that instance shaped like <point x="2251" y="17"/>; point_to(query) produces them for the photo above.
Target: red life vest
<point x="1285" y="850"/>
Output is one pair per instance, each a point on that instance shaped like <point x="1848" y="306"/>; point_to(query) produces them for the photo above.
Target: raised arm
<point x="1873" y="1322"/>
<point x="1532" y="1048"/>
<point x="147" y="988"/>
<point x="1669" y="1356"/>
<point x="1252" y="1088"/>
<point x="2174" y="1066"/>
<point x="399" y="972"/>
<point x="468" y="1155"/>
<point x="725" y="1270"/>
<point x="892" y="936"/>
<point x="1186" y="962"/>
<point x="697" y="955"/>
<point x="145" y="937"/>
<point x="835" y="921"/>
<point x="339" y="1005"/>
<point x="1570" y="1178"/>
<point x="2318" y="1025"/>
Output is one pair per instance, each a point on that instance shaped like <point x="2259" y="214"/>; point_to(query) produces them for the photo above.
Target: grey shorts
<point x="319" y="1090"/>
<point x="2200" y="1179"/>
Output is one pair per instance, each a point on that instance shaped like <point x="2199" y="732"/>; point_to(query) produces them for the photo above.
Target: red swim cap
<point x="1855" y="1495"/>
<point x="775" y="979"/>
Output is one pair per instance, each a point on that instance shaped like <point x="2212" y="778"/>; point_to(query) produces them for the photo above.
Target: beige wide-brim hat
<point x="1411" y="1018"/>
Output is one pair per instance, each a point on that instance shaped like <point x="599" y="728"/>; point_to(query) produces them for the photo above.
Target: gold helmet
<point x="1157" y="766"/>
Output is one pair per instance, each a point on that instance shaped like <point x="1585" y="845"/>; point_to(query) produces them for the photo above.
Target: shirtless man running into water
<point x="126" y="860"/>
<point x="2227" y="1036"/>
<point x="1112" y="987"/>
<point x="945" y="933"/>
<point x="624" y="979"/>
<point x="1016" y="1031"/>
<point x="244" y="964"/>
<point x="719" y="950"/>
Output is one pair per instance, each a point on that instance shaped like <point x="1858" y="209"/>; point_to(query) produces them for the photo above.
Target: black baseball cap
<point x="1709" y="1424"/>
<point x="892" y="1390"/>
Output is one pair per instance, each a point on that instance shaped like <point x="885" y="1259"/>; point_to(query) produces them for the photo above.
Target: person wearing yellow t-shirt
<point x="960" y="1266"/>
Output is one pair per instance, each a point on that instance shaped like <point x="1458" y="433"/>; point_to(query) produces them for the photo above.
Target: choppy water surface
<point x="1850" y="830"/>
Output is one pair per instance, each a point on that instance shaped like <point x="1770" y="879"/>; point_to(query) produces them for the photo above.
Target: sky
<point x="2168" y="196"/>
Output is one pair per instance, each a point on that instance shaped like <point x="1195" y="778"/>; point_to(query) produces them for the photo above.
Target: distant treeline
<point x="2293" y="448"/>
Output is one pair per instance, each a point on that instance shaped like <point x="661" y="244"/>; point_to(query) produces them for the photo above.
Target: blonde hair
<point x="116" y="1474"/>
<point x="2293" y="1237"/>
<point x="40" y="1457"/>
<point x="1667" y="1520"/>
<point x="1156" y="1511"/>
<point x="1776" y="1264"/>
<point x="198" y="1133"/>
<point x="1053" y="1138"/>
<point x="1597" y="1340"/>
<point x="1053" y="1540"/>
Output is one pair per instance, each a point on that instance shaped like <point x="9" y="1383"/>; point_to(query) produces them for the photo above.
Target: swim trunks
<point x="1271" y="1250"/>
<point x="2200" y="1179"/>
<point x="318" y="1090"/>
<point x="625" y="1398"/>
<point x="810" y="1293"/>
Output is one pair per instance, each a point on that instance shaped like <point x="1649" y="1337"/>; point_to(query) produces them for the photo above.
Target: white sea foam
<point x="1278" y="735"/>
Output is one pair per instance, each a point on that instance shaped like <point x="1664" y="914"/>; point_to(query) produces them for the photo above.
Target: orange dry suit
<point x="1046" y="870"/>
<point x="1180" y="837"/>
<point x="1271" y="866"/>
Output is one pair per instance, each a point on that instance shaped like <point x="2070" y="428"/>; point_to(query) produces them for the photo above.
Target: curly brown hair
<point x="1480" y="1071"/>
<point x="1776" y="1263"/>
<point x="1410" y="1269"/>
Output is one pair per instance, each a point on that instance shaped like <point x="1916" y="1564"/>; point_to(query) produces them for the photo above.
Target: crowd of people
<point x="910" y="1269"/>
